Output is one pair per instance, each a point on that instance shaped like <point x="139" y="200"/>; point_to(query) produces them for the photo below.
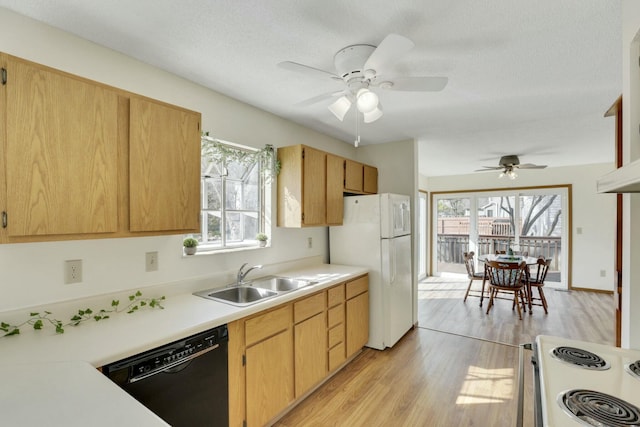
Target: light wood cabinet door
<point x="314" y="187"/>
<point x="61" y="153"/>
<point x="353" y="176"/>
<point x="164" y="167"/>
<point x="310" y="353"/>
<point x="370" y="184"/>
<point x="269" y="378"/>
<point x="335" y="201"/>
<point x="360" y="178"/>
<point x="357" y="323"/>
<point x="302" y="187"/>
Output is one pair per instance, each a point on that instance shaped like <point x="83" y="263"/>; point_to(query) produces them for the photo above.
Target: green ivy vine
<point x="216" y="151"/>
<point x="39" y="319"/>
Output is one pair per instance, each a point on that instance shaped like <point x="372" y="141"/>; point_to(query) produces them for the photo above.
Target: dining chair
<point x="473" y="275"/>
<point x="506" y="277"/>
<point x="537" y="281"/>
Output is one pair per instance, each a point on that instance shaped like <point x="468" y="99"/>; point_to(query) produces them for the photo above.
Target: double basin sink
<point x="255" y="291"/>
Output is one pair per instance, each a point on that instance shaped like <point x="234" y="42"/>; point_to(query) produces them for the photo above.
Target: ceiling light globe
<point x="367" y="101"/>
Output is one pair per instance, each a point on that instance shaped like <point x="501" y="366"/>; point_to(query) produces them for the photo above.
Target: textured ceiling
<point x="525" y="77"/>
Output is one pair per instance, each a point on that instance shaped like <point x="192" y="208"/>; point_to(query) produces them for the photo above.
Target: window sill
<point x="208" y="251"/>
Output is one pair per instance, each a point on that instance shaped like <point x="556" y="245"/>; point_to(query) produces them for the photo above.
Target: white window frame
<point x="263" y="211"/>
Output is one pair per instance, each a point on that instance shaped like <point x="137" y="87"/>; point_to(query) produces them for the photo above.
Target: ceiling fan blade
<point x="489" y="168"/>
<point x="318" y="98"/>
<point x="415" y="84"/>
<point x="530" y="166"/>
<point x="305" y="69"/>
<point x="388" y="51"/>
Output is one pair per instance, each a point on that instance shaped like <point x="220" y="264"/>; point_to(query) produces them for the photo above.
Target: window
<point x="234" y="195"/>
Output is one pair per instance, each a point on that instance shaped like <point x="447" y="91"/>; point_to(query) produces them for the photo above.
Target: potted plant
<point x="190" y="245"/>
<point x="262" y="239"/>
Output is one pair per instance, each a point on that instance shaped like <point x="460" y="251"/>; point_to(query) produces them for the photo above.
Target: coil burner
<point x="579" y="357"/>
<point x="633" y="369"/>
<point x="593" y="408"/>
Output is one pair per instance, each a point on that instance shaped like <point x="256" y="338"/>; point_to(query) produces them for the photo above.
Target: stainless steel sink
<point x="280" y="284"/>
<point x="255" y="291"/>
<point x="238" y="295"/>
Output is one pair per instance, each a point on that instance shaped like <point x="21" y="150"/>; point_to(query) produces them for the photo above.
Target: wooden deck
<point x="457" y="368"/>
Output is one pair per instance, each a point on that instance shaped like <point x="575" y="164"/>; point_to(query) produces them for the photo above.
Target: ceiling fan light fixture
<point x="510" y="173"/>
<point x="374" y="115"/>
<point x="366" y="101"/>
<point x="340" y="107"/>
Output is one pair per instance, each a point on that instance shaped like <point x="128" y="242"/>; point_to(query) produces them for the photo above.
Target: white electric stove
<point x="579" y="383"/>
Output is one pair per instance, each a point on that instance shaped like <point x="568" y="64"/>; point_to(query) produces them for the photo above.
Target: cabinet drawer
<point x="336" y="335"/>
<point x="357" y="286"/>
<point x="336" y="356"/>
<point x="335" y="295"/>
<point x="308" y="307"/>
<point x="335" y="316"/>
<point x="268" y="324"/>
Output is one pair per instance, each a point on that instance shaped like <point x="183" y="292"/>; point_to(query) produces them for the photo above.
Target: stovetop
<point x="601" y="385"/>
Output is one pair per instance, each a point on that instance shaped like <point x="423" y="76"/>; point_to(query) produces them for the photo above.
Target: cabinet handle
<point x="4" y="219"/>
<point x="4" y="76"/>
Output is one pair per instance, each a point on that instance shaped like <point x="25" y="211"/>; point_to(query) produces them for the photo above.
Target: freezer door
<point x="397" y="288"/>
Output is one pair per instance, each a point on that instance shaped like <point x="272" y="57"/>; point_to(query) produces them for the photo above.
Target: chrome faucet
<point x="243" y="274"/>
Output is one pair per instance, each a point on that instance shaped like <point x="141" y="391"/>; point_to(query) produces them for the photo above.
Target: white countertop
<point x="67" y="394"/>
<point x="42" y="361"/>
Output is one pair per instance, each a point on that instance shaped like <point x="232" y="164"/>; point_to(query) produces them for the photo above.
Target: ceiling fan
<point x="508" y="165"/>
<point x="362" y="68"/>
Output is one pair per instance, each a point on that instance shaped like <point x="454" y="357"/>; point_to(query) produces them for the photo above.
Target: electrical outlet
<point x="151" y="263"/>
<point x="309" y="242"/>
<point x="72" y="271"/>
<point x="603" y="273"/>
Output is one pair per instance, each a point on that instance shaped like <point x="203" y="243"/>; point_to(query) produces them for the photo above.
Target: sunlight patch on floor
<point x="483" y="386"/>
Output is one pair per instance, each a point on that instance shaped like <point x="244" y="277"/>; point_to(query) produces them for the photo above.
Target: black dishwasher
<point x="185" y="383"/>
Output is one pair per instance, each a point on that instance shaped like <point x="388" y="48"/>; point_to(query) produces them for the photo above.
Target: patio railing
<point x="451" y="247"/>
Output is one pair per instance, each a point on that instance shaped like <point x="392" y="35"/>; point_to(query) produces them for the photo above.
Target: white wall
<point x="631" y="202"/>
<point x="32" y="273"/>
<point x="593" y="250"/>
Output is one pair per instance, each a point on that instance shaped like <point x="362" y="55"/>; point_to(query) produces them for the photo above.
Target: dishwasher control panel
<point x="168" y="358"/>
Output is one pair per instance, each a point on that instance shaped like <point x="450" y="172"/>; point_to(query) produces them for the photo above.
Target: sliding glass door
<point x="527" y="221"/>
<point x="452" y="233"/>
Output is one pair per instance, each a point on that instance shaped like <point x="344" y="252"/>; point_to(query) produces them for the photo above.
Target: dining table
<point x="514" y="258"/>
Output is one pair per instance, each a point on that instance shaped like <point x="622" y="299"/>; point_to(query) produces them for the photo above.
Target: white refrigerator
<point x="376" y="233"/>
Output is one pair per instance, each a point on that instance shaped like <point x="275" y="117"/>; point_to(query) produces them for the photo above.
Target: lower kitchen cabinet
<point x="311" y="353"/>
<point x="309" y="342"/>
<point x="268" y="365"/>
<point x="269" y="378"/>
<point x="335" y="326"/>
<point x="276" y="357"/>
<point x="357" y="315"/>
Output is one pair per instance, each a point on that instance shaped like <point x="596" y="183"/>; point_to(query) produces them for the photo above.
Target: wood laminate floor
<point x="457" y="368"/>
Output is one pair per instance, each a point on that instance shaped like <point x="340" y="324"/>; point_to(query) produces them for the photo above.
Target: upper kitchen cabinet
<point x="311" y="184"/>
<point x="86" y="160"/>
<point x="360" y="178"/>
<point x="335" y="204"/>
<point x="61" y="153"/>
<point x="302" y="187"/>
<point x="164" y="167"/>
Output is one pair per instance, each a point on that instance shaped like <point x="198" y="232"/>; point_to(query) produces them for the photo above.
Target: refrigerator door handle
<point x="392" y="278"/>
